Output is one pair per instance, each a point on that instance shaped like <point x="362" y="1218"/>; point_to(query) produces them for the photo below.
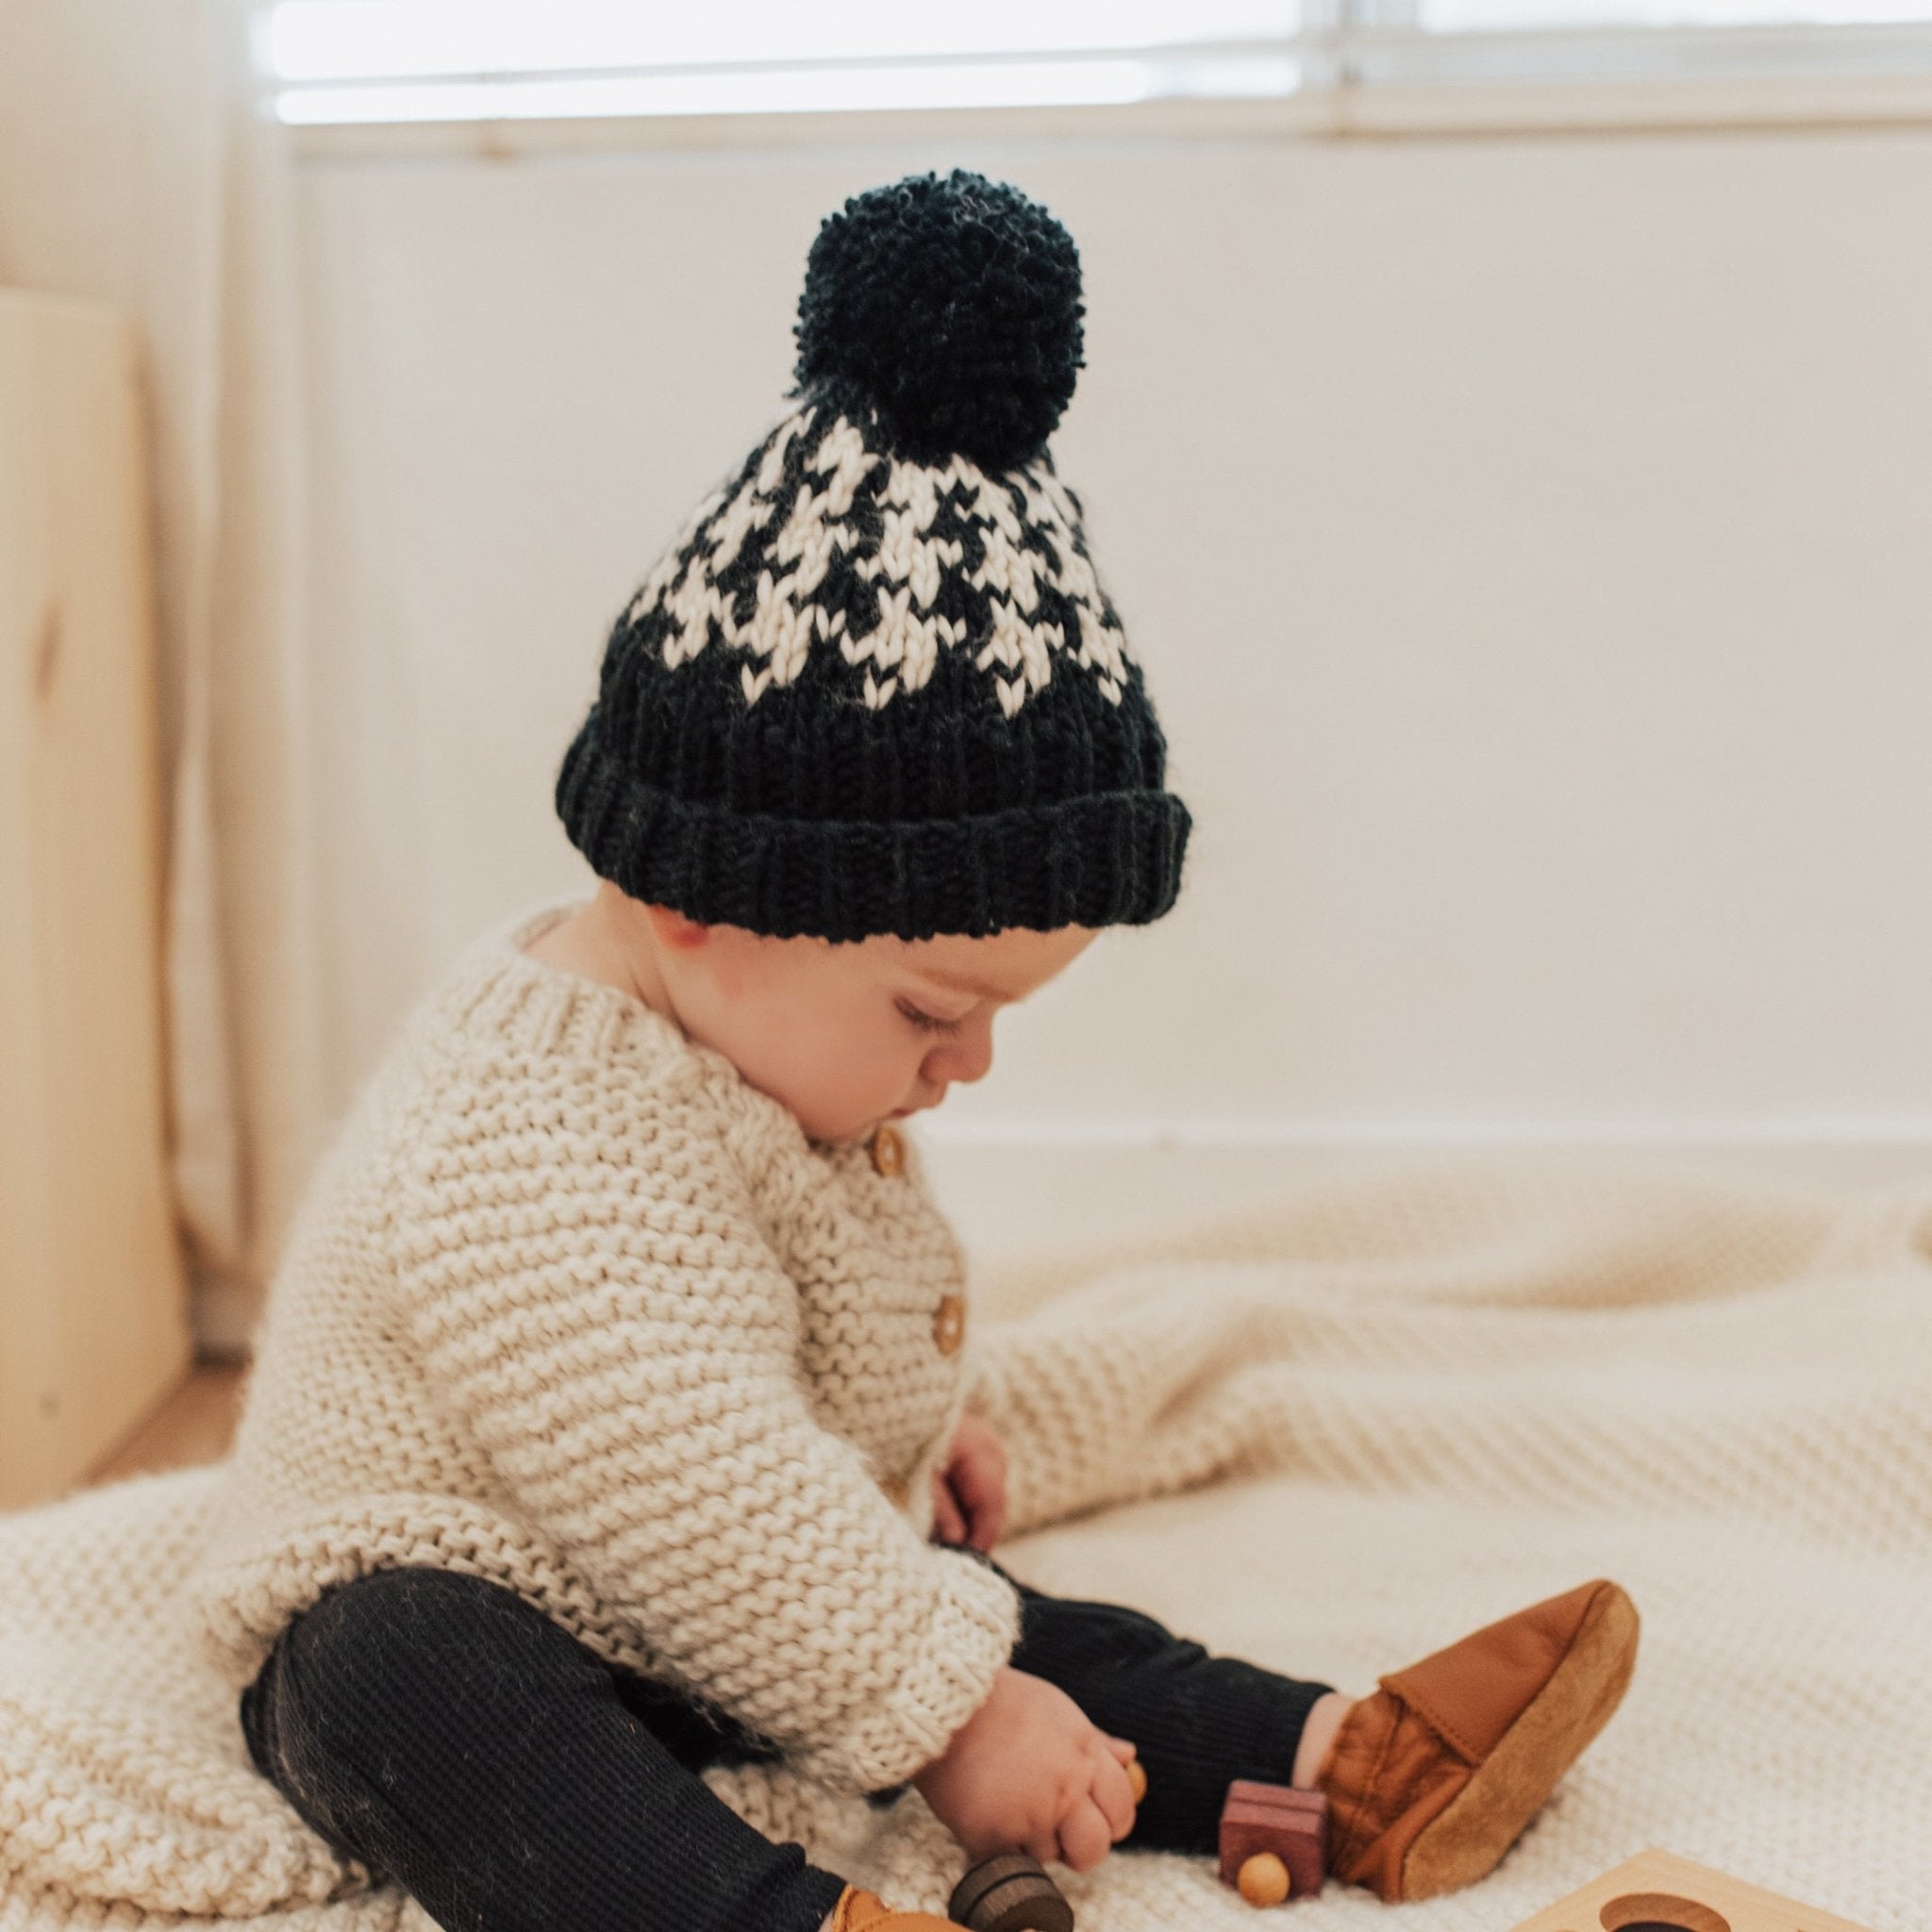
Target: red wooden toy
<point x="1273" y="1841"/>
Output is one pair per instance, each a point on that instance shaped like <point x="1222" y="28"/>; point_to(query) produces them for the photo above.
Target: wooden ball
<point x="1263" y="1880"/>
<point x="1138" y="1778"/>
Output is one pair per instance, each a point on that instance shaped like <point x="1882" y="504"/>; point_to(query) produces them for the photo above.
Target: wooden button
<point x="895" y="1489"/>
<point x="1136" y="1779"/>
<point x="888" y="1150"/>
<point x="949" y="1324"/>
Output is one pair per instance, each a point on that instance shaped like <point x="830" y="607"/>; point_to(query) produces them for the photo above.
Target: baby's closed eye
<point x="927" y="1022"/>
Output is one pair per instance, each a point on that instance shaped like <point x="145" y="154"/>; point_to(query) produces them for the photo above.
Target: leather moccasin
<point x="864" y="1911"/>
<point x="1432" y="1778"/>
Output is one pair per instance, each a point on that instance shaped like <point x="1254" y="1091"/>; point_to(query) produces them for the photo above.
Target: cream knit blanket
<point x="1397" y="1406"/>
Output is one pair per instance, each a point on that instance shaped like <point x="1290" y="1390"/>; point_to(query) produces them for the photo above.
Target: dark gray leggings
<point x="451" y="1738"/>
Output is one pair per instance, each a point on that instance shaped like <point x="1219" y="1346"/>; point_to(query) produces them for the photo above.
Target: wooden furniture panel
<point x="93" y="1306"/>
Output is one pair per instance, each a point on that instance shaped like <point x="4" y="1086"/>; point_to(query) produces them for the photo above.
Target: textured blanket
<point x="1330" y="1437"/>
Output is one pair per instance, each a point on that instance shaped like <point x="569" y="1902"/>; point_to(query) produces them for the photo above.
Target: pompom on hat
<point x="875" y="686"/>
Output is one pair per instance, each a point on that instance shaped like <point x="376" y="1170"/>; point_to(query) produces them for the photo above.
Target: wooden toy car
<point x="1273" y="1841"/>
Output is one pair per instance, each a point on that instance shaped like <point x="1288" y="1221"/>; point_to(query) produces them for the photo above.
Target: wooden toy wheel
<point x="1009" y="1892"/>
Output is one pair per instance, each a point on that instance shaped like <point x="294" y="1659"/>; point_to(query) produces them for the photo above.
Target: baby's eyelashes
<point x="928" y="1022"/>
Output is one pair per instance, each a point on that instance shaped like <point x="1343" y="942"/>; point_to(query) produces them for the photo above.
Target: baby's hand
<point x="969" y="1495"/>
<point x="1028" y="1772"/>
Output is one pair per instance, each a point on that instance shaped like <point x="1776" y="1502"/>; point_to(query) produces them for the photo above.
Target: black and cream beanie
<point x="875" y="686"/>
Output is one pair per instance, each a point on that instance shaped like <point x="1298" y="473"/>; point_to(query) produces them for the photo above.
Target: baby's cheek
<point x="835" y="1090"/>
<point x="866" y="1080"/>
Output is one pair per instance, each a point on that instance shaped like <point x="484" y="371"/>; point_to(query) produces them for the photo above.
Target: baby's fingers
<point x="948" y="1524"/>
<point x="1086" y="1837"/>
<point x="1113" y="1793"/>
<point x="1043" y="1849"/>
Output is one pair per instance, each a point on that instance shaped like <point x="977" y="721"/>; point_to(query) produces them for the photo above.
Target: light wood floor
<point x="193" y="1425"/>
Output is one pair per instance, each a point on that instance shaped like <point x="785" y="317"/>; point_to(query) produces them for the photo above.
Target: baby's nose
<point x="968" y="1059"/>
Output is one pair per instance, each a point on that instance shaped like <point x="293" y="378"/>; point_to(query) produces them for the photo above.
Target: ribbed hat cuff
<point x="1103" y="859"/>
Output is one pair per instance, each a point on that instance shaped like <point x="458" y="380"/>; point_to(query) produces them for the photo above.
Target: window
<point x="399" y="60"/>
<point x="435" y="59"/>
<point x="1477" y="16"/>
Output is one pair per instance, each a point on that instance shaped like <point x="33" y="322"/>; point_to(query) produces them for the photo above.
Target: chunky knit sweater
<point x="573" y="1306"/>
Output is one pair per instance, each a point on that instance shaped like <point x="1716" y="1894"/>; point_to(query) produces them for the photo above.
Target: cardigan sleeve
<point x="594" y="1297"/>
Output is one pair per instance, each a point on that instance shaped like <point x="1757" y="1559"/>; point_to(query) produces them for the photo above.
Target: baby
<point x="613" y="1414"/>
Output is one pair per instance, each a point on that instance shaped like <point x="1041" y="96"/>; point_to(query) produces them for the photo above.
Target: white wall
<point x="1527" y="540"/>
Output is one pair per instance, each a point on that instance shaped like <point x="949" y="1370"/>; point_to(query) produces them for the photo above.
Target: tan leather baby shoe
<point x="864" y="1911"/>
<point x="1432" y="1778"/>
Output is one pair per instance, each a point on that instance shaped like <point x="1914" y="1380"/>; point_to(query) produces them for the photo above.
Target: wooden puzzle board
<point x="1658" y="1888"/>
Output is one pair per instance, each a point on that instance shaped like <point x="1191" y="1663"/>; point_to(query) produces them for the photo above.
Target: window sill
<point x="1391" y="107"/>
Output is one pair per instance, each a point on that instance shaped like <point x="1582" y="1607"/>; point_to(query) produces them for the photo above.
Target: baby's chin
<point x="831" y="1108"/>
<point x="832" y="1124"/>
<point x="866" y="1129"/>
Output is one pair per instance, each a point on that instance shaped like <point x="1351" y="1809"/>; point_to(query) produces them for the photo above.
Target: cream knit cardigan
<point x="574" y="1306"/>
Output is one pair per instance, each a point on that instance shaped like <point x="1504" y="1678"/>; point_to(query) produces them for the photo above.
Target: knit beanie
<point x="875" y="686"/>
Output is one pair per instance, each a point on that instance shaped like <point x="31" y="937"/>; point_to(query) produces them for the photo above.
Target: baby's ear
<point x="670" y="928"/>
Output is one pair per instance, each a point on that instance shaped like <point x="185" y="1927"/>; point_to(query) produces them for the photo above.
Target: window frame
<point x="1355" y="80"/>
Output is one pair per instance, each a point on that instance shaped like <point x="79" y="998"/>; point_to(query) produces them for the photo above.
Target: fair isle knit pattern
<point x="1405" y="1403"/>
<point x="574" y="1308"/>
<point x="859" y="562"/>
